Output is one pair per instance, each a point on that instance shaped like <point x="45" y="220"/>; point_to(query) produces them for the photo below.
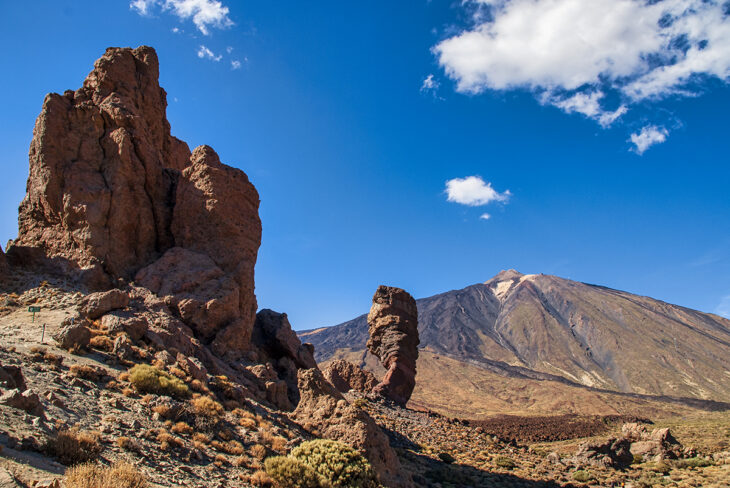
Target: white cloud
<point x="229" y="49"/>
<point x="235" y="64"/>
<point x="572" y="52"/>
<point x="204" y="13"/>
<point x="485" y="216"/>
<point x="204" y="53"/>
<point x="723" y="309"/>
<point x="473" y="191"/>
<point x="647" y="137"/>
<point x="429" y="84"/>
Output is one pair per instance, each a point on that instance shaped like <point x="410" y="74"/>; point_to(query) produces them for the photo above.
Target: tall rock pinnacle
<point x="112" y="195"/>
<point x="393" y="321"/>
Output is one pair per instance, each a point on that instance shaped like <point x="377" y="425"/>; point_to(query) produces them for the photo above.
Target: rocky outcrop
<point x="12" y="377"/>
<point x="73" y="336"/>
<point x="113" y="196"/>
<point x="278" y="346"/>
<point x="324" y="411"/>
<point x="3" y="265"/>
<point x="651" y="446"/>
<point x="102" y="173"/>
<point x="27" y="401"/>
<point x="95" y="305"/>
<point x="346" y="376"/>
<point x="611" y="453"/>
<point x="393" y="328"/>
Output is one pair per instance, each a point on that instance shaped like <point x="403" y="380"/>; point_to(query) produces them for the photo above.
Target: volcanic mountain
<point x="534" y="343"/>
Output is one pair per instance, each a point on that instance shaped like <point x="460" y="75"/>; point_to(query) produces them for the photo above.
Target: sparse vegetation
<point x="149" y="379"/>
<point x="72" y="446"/>
<point x="505" y="462"/>
<point x="582" y="476"/>
<point x="291" y="472"/>
<point x="118" y="475"/>
<point x="91" y="373"/>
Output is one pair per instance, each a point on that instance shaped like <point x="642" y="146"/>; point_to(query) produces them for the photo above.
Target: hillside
<point x="582" y="339"/>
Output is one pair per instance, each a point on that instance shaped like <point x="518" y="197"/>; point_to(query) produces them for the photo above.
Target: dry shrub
<point x="148" y="379"/>
<point x="118" y="475"/>
<point x="168" y="440"/>
<point x="103" y="342"/>
<point x="123" y="376"/>
<point x="175" y="371"/>
<point x="127" y="444"/>
<point x="240" y="462"/>
<point x="182" y="428"/>
<point x="220" y="460"/>
<point x="232" y="447"/>
<point x="128" y="392"/>
<point x="199" y="386"/>
<point x="201" y="438"/>
<point x="278" y="444"/>
<point x="163" y="410"/>
<point x="207" y="407"/>
<point x="71" y="446"/>
<point x="91" y="373"/>
<point x="42" y="354"/>
<point x="258" y="451"/>
<point x="248" y="423"/>
<point x="261" y="479"/>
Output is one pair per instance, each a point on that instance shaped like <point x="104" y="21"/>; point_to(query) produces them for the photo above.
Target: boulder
<point x="12" y="377"/>
<point x="611" y="453"/>
<point x="324" y="411"/>
<point x="393" y="328"/>
<point x="192" y="366"/>
<point x="123" y="348"/>
<point x="125" y="322"/>
<point x="27" y="401"/>
<point x="95" y="305"/>
<point x="346" y="376"/>
<point x="73" y="336"/>
<point x="651" y="446"/>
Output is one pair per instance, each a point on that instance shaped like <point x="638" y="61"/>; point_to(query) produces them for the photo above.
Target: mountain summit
<point x="546" y="328"/>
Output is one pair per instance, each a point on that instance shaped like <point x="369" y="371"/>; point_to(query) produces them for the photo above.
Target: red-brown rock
<point x="324" y="409"/>
<point x="113" y="196"/>
<point x="102" y="173"/>
<point x="346" y="376"/>
<point x="216" y="214"/>
<point x="393" y="321"/>
<point x="97" y="304"/>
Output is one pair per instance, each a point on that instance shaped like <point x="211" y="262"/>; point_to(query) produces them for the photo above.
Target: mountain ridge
<point x="546" y="328"/>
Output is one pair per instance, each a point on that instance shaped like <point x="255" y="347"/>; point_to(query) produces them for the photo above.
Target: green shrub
<point x="505" y="462"/>
<point x="292" y="473"/>
<point x="148" y="379"/>
<point x="660" y="467"/>
<point x="337" y="464"/>
<point x="582" y="476"/>
<point x="638" y="459"/>
<point x="694" y="462"/>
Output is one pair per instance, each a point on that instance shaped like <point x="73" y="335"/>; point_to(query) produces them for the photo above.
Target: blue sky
<point x="429" y="145"/>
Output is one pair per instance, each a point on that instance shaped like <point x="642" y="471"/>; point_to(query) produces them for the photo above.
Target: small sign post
<point x="34" y="310"/>
<point x="43" y="334"/>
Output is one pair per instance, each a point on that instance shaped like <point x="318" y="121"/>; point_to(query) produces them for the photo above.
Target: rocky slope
<point x="150" y="250"/>
<point x="523" y="329"/>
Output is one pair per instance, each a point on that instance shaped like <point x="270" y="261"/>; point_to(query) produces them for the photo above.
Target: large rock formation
<point x="112" y="195"/>
<point x="3" y="265"/>
<point x="393" y="321"/>
<point x="324" y="411"/>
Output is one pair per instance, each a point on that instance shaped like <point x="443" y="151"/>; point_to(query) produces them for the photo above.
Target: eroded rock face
<point x="393" y="327"/>
<point x="346" y="376"/>
<point x="113" y="196"/>
<point x="278" y="346"/>
<point x="102" y="173"/>
<point x="651" y="446"/>
<point x="611" y="453"/>
<point x="3" y="265"/>
<point x="97" y="304"/>
<point x="323" y="409"/>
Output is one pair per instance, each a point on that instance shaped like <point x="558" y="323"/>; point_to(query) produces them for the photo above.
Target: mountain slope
<point x="546" y="328"/>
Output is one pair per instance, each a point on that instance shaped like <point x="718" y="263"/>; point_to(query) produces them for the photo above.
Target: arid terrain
<point x="132" y="353"/>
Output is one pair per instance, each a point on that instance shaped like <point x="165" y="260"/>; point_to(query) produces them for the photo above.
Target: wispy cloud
<point x="647" y="137"/>
<point x="473" y="191"/>
<point x="205" y="14"/>
<point x="235" y="64"/>
<point x="723" y="309"/>
<point x="485" y="216"/>
<point x="429" y="84"/>
<point x="571" y="53"/>
<point x="205" y="53"/>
